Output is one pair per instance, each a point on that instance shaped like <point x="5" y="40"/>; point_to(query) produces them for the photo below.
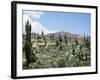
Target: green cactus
<point x="28" y="45"/>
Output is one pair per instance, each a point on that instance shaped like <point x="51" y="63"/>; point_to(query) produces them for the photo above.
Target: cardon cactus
<point x="28" y="44"/>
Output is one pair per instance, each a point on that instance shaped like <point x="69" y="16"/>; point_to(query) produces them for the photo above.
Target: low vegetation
<point x="40" y="51"/>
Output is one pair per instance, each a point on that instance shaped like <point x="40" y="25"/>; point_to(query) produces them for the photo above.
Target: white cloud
<point x="33" y="14"/>
<point x="36" y="26"/>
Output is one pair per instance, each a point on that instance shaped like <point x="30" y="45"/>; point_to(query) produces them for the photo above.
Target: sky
<point x="78" y="23"/>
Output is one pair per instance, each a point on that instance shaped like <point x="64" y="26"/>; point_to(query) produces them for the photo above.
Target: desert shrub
<point x="57" y="43"/>
<point x="32" y="57"/>
<point x="33" y="66"/>
<point x="87" y="42"/>
<point x="46" y="50"/>
<point x="60" y="47"/>
<point x="87" y="63"/>
<point x="51" y="47"/>
<point x="61" y="63"/>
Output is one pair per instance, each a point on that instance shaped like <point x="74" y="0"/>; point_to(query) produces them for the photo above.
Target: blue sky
<point x="78" y="23"/>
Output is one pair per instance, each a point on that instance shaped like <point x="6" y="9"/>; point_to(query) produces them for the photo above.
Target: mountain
<point x="62" y="33"/>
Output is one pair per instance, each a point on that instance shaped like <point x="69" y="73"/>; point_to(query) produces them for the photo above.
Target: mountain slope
<point x="62" y="33"/>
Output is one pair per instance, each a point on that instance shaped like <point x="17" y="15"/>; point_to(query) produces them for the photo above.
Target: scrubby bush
<point x="61" y="63"/>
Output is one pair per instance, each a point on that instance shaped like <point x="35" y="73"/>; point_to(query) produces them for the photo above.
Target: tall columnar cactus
<point x="53" y="36"/>
<point x="45" y="41"/>
<point x="57" y="43"/>
<point x="65" y="39"/>
<point x="70" y="39"/>
<point x="84" y="37"/>
<point x="76" y="41"/>
<point x="34" y="35"/>
<point x="28" y="44"/>
<point x="60" y="38"/>
<point x="42" y="34"/>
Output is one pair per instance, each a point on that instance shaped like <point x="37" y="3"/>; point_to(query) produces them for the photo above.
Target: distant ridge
<point x="62" y="33"/>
